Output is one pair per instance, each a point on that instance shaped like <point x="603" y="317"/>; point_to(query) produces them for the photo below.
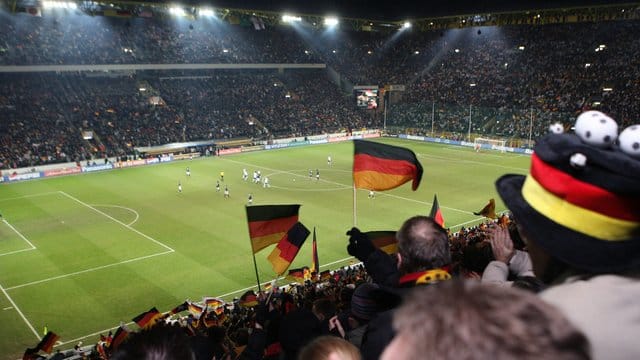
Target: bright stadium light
<point x="521" y="48"/>
<point x="291" y="19"/>
<point x="59" y="5"/>
<point x="177" y="11"/>
<point x="330" y="21"/>
<point x="406" y="25"/>
<point x="208" y="12"/>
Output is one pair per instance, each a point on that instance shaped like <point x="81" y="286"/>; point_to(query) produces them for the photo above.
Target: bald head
<point x="422" y="245"/>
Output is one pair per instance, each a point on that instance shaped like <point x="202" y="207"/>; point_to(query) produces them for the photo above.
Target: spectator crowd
<point x="524" y="78"/>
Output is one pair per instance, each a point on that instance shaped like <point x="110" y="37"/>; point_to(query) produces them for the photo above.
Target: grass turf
<point x="80" y="254"/>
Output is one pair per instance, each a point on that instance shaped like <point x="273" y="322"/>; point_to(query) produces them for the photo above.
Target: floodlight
<point x="207" y="12"/>
<point x="291" y="19"/>
<point x="406" y="25"/>
<point x="330" y="21"/>
<point x="177" y="11"/>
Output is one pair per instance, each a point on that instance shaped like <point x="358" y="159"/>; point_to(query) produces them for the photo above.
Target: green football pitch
<point x="80" y="254"/>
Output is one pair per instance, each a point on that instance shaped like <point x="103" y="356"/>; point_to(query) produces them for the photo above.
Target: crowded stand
<point x="510" y="82"/>
<point x="524" y="78"/>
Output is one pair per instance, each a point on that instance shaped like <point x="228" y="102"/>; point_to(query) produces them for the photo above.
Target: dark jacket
<point x="393" y="288"/>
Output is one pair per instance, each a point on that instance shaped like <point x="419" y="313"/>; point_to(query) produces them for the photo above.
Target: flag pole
<point x="255" y="267"/>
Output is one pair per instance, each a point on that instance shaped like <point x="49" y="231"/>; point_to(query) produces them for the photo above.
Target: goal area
<point x="486" y="143"/>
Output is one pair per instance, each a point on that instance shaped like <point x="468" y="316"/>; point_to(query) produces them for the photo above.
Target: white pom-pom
<point x="578" y="160"/>
<point x="597" y="129"/>
<point x="556" y="128"/>
<point x="629" y="141"/>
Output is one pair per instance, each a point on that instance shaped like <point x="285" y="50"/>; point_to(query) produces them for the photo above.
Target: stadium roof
<point x="395" y="10"/>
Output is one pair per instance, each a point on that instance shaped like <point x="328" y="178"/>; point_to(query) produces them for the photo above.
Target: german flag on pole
<point x="435" y="213"/>
<point x="268" y="224"/>
<point x="384" y="240"/>
<point x="489" y="210"/>
<point x="148" y="318"/>
<point x="380" y="167"/>
<point x="283" y="254"/>
<point x="315" y="266"/>
<point x="47" y="342"/>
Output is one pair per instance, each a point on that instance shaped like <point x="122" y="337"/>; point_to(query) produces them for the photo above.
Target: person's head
<point x="161" y="342"/>
<point x="470" y="320"/>
<point x="323" y="309"/>
<point x="364" y="304"/>
<point x="422" y="245"/>
<point x="578" y="209"/>
<point x="329" y="348"/>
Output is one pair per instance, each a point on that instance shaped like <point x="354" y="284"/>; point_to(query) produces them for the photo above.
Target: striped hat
<point x="580" y="203"/>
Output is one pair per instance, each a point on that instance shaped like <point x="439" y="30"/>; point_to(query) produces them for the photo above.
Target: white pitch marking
<point x="21" y="236"/>
<point x="118" y="221"/>
<point x="121" y="207"/>
<point x="20" y="313"/>
<point x="87" y="270"/>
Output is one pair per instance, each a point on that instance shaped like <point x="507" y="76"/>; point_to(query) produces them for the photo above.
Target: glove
<point x="359" y="244"/>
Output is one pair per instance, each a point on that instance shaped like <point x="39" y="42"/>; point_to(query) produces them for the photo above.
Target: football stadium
<point x="195" y="172"/>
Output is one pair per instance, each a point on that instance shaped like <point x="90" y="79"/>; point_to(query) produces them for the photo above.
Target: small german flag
<point x="249" y="299"/>
<point x="180" y="308"/>
<point x="196" y="310"/>
<point x="268" y="224"/>
<point x="296" y="275"/>
<point x="212" y="302"/>
<point x="381" y="167"/>
<point x="435" y="213"/>
<point x="119" y="336"/>
<point x="283" y="254"/>
<point x="384" y="240"/>
<point x="148" y="318"/>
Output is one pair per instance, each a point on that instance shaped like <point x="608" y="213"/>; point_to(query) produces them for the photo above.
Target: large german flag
<point x="384" y="240"/>
<point x="268" y="224"/>
<point x="380" y="167"/>
<point x="287" y="249"/>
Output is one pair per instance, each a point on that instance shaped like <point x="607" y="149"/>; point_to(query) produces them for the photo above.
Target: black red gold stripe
<point x="582" y="194"/>
<point x="574" y="217"/>
<point x="283" y="254"/>
<point x="381" y="167"/>
<point x="269" y="223"/>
